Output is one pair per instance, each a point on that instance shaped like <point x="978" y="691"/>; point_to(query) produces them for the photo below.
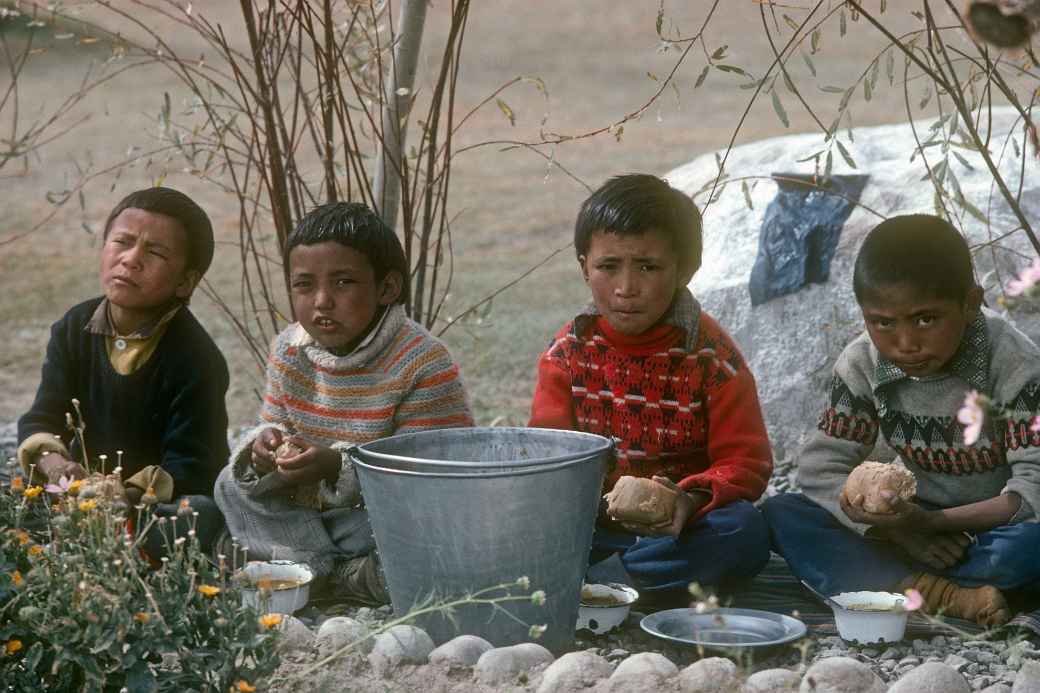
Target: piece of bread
<point x="870" y="478"/>
<point x="287" y="449"/>
<point x="641" y="501"/>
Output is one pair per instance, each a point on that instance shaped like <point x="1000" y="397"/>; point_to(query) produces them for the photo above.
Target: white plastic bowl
<point x="870" y="617"/>
<point x="604" y="607"/>
<point x="276" y="599"/>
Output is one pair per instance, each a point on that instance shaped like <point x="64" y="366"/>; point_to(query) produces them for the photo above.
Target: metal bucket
<point x="455" y="511"/>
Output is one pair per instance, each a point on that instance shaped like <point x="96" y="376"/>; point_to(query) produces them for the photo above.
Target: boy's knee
<point x="1014" y="559"/>
<point x="746" y="531"/>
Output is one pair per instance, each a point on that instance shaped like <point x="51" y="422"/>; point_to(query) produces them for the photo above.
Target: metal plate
<point x="724" y="628"/>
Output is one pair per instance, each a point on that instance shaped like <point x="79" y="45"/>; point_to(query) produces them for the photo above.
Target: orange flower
<point x="35" y="550"/>
<point x="21" y="535"/>
<point x="17" y="579"/>
<point x="74" y="487"/>
<point x="142" y="617"/>
<point x="244" y="687"/>
<point x="209" y="590"/>
<point x="88" y="505"/>
<point x="17" y="484"/>
<point x="270" y="620"/>
<point x="12" y="646"/>
<point x="33" y="491"/>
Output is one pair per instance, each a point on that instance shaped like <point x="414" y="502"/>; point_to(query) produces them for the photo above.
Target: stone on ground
<point x="503" y="664"/>
<point x="997" y="688"/>
<point x="338" y="632"/>
<point x="399" y="645"/>
<point x="634" y="683"/>
<point x="710" y="675"/>
<point x="841" y="675"/>
<point x="646" y="664"/>
<point x="295" y="635"/>
<point x="1028" y="679"/>
<point x="773" y="681"/>
<point x="574" y="671"/>
<point x="461" y="651"/>
<point x="931" y="677"/>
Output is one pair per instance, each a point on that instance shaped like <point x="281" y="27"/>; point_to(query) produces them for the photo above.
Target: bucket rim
<point x="472" y="474"/>
<point x="361" y="452"/>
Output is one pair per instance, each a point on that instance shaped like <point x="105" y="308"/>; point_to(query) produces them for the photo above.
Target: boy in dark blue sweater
<point x="149" y="381"/>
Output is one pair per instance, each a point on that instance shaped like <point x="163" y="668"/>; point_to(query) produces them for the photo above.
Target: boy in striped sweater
<point x="354" y="369"/>
<point x="646" y="366"/>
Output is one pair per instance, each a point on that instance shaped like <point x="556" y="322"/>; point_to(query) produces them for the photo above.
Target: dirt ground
<point x="598" y="61"/>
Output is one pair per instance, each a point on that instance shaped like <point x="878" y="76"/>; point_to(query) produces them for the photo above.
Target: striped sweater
<point x="401" y="380"/>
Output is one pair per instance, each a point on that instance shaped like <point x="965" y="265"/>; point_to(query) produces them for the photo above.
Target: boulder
<point x="294" y="635"/>
<point x="773" y="681"/>
<point x="574" y="671"/>
<point x="931" y="677"/>
<point x="1028" y="678"/>
<point x="338" y="632"/>
<point x="650" y="664"/>
<point x="461" y="651"/>
<point x="711" y="675"/>
<point x="503" y="664"/>
<point x="841" y="675"/>
<point x="399" y="645"/>
<point x="791" y="342"/>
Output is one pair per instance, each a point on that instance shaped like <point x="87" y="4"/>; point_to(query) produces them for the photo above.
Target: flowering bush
<point x="81" y="609"/>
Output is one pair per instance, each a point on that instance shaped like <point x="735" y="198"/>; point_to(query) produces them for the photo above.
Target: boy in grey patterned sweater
<point x="971" y="533"/>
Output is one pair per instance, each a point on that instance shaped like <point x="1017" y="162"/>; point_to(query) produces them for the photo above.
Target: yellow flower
<point x="12" y="646"/>
<point x="21" y="535"/>
<point x="74" y="487"/>
<point x="17" y="579"/>
<point x="270" y="620"/>
<point x="33" y="491"/>
<point x="88" y="505"/>
<point x="17" y="484"/>
<point x="209" y="590"/>
<point x="142" y="617"/>
<point x="35" y="550"/>
<point x="244" y="687"/>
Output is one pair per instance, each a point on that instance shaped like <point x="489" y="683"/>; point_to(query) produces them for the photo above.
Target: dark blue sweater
<point x="169" y="412"/>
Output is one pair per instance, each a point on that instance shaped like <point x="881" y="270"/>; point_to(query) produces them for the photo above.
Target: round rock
<point x="1028" y="678"/>
<point x="461" y="651"/>
<point x="295" y="635"/>
<point x="773" y="681"/>
<point x="841" y="675"/>
<point x="712" y="675"/>
<point x="340" y="631"/>
<point x="574" y="671"/>
<point x="931" y="677"/>
<point x="503" y="664"/>
<point x="647" y="664"/>
<point x="399" y="645"/>
<point x="630" y="683"/>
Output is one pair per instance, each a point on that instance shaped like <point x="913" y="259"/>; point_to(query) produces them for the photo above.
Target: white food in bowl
<point x="870" y="617"/>
<point x="604" y="607"/>
<point x="275" y="587"/>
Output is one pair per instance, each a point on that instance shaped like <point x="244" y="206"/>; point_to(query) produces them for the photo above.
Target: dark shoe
<point x="359" y="579"/>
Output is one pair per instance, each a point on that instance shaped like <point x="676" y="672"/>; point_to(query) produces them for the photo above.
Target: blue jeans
<point x="729" y="543"/>
<point x="834" y="559"/>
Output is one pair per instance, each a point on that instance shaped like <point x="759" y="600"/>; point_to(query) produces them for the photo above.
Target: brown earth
<point x="598" y="61"/>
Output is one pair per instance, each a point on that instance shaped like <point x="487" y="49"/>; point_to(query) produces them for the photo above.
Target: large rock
<point x="791" y="342"/>
<point x="1028" y="678"/>
<point x="338" y="632"/>
<point x="574" y="671"/>
<point x="773" y="681"/>
<point x="503" y="664"/>
<point x="931" y="677"/>
<point x="711" y="675"/>
<point x="647" y="664"/>
<point x="294" y="635"/>
<point x="841" y="675"/>
<point x="461" y="651"/>
<point x="399" y="645"/>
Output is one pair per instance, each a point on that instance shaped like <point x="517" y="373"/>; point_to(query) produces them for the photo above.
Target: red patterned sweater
<point x="678" y="400"/>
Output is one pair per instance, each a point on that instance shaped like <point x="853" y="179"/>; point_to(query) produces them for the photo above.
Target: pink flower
<point x="914" y="600"/>
<point x="972" y="413"/>
<point x="1027" y="279"/>
<point x="1035" y="426"/>
<point x="62" y="487"/>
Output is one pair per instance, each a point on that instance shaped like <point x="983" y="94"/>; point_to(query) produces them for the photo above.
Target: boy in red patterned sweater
<point x="646" y="366"/>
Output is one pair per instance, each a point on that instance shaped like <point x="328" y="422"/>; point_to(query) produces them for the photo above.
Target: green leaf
<point x="843" y="23"/>
<point x="731" y="68"/>
<point x="890" y="66"/>
<point x="828" y="166"/>
<point x="808" y="62"/>
<point x="719" y="53"/>
<point x="779" y="108"/>
<point x="747" y="194"/>
<point x="972" y="209"/>
<point x="504" y="107"/>
<point x="815" y="40"/>
<point x="790" y="22"/>
<point x="926" y="97"/>
<point x="845" y="153"/>
<point x="964" y="162"/>
<point x="660" y="18"/>
<point x="833" y="90"/>
<point x="701" y="76"/>
<point x="843" y="104"/>
<point x="789" y="84"/>
<point x="866" y="90"/>
<point x="140" y="679"/>
<point x="652" y="76"/>
<point x="937" y="204"/>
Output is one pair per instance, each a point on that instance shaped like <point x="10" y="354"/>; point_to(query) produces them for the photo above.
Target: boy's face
<point x="915" y="331"/>
<point x="335" y="293"/>
<point x="144" y="264"/>
<point x="633" y="278"/>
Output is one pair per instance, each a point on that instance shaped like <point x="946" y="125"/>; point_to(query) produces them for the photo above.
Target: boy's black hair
<point x="635" y="203"/>
<point x="921" y="250"/>
<point x="356" y="226"/>
<point x="185" y="211"/>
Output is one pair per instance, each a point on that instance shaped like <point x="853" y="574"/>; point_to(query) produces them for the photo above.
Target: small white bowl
<point x="870" y="617"/>
<point x="275" y="587"/>
<point x="604" y="607"/>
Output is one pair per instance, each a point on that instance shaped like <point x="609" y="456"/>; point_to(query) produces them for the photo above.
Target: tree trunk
<point x="396" y="105"/>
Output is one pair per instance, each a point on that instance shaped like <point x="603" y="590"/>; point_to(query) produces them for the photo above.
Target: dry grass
<point x="512" y="211"/>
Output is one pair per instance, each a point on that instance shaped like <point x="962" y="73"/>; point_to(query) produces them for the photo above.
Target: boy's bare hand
<point x="904" y="513"/>
<point x="54" y="466"/>
<point x="940" y="551"/>
<point x="263" y="449"/>
<point x="315" y="463"/>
